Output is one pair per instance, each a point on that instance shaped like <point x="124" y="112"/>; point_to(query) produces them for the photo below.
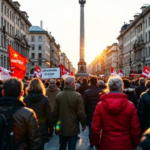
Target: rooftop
<point x="36" y="29"/>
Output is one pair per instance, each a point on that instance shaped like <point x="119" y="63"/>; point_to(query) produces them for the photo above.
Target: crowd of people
<point x="115" y="110"/>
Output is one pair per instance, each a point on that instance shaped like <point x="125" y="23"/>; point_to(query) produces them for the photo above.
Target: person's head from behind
<point x="147" y="84"/>
<point x="77" y="86"/>
<point x="70" y="81"/>
<point x="13" y="87"/>
<point x="101" y="83"/>
<point x="93" y="81"/>
<point x="126" y="83"/>
<point x="84" y="81"/>
<point x="36" y="85"/>
<point x="52" y="81"/>
<point x="115" y="84"/>
<point x="142" y="81"/>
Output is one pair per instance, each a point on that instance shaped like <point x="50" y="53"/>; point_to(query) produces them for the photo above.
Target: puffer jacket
<point x="91" y="99"/>
<point x="39" y="103"/>
<point x="51" y="93"/>
<point x="131" y="96"/>
<point x="25" y="124"/>
<point x="116" y="117"/>
<point x="144" y="110"/>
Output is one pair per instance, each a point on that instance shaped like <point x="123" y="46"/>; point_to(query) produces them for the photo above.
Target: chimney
<point x="41" y="24"/>
<point x="130" y="21"/>
<point x="144" y="7"/>
<point x="136" y="16"/>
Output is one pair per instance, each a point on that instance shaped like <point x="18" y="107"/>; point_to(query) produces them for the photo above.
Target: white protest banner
<point x="4" y="73"/>
<point x="49" y="73"/>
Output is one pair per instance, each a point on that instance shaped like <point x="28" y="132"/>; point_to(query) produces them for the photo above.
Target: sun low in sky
<point x="103" y="21"/>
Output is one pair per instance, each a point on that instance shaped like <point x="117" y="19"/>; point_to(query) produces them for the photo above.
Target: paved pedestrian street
<point x="83" y="142"/>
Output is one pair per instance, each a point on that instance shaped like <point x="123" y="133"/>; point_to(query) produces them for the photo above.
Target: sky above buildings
<point x="103" y="21"/>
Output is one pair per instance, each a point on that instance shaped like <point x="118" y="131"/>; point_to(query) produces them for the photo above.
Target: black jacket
<point x="83" y="88"/>
<point x="139" y="90"/>
<point x="145" y="140"/>
<point x="144" y="111"/>
<point x="131" y="96"/>
<point x="91" y="98"/>
<point x="24" y="124"/>
<point x="40" y="104"/>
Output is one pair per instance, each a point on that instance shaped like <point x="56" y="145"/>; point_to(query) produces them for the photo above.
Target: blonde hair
<point x="36" y="84"/>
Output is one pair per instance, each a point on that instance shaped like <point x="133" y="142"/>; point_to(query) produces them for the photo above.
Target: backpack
<point x="7" y="137"/>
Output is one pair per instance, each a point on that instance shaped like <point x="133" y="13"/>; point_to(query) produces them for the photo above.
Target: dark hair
<point x="93" y="80"/>
<point x="84" y="81"/>
<point x="126" y="83"/>
<point x="13" y="87"/>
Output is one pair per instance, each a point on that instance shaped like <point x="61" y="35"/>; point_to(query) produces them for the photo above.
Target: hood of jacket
<point x="115" y="102"/>
<point x="52" y="87"/>
<point x="128" y="90"/>
<point x="11" y="101"/>
<point x="35" y="95"/>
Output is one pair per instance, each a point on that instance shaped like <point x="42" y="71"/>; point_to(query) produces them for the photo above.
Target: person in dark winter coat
<point x="115" y="124"/>
<point x="145" y="140"/>
<point x="37" y="101"/>
<point x="83" y="87"/>
<point x="144" y="109"/>
<point x="91" y="99"/>
<point x="25" y="125"/>
<point x="101" y="85"/>
<point x="130" y="92"/>
<point x="139" y="90"/>
<point x="1" y="88"/>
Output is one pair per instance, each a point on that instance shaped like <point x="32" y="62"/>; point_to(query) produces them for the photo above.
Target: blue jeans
<point x="90" y="125"/>
<point x="70" y="140"/>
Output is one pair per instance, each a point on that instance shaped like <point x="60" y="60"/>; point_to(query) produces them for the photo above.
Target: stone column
<point x="82" y="45"/>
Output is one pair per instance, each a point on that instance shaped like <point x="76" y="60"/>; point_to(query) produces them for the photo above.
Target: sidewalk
<point x="82" y="144"/>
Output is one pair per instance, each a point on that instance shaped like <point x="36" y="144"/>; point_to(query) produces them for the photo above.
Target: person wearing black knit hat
<point x="130" y="92"/>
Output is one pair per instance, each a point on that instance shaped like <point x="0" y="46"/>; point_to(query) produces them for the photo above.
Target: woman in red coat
<point x="115" y="120"/>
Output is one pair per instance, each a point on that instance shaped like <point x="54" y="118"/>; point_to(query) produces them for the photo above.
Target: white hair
<point x="77" y="85"/>
<point x="100" y="83"/>
<point x="142" y="81"/>
<point x="52" y="81"/>
<point x="115" y="83"/>
<point x="69" y="80"/>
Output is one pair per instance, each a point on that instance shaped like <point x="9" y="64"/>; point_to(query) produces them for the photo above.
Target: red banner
<point x="16" y="59"/>
<point x="38" y="72"/>
<point x="64" y="71"/>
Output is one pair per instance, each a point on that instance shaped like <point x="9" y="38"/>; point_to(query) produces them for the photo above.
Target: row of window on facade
<point x="4" y="62"/>
<point x="9" y="28"/>
<point x="39" y="63"/>
<point x="5" y="42"/>
<point x="33" y="38"/>
<point x="12" y="16"/>
<point x="137" y="55"/>
<point x="33" y="55"/>
<point x="33" y="47"/>
<point x="139" y="29"/>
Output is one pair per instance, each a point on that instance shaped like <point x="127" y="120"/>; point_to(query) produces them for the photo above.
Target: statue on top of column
<point x="82" y="1"/>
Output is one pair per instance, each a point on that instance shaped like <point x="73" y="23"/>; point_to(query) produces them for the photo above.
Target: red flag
<point x="120" y="73"/>
<point x="113" y="72"/>
<point x="16" y="72"/>
<point x="72" y="74"/>
<point x="146" y="72"/>
<point x="16" y="59"/>
<point x="38" y="72"/>
<point x="64" y="71"/>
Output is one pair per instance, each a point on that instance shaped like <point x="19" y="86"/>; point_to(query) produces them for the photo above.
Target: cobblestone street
<point x="83" y="142"/>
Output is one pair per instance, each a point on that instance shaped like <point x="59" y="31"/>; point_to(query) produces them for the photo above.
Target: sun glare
<point x="92" y="50"/>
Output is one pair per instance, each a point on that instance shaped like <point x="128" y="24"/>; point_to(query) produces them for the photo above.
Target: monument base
<point x="82" y="69"/>
<point x="82" y="74"/>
